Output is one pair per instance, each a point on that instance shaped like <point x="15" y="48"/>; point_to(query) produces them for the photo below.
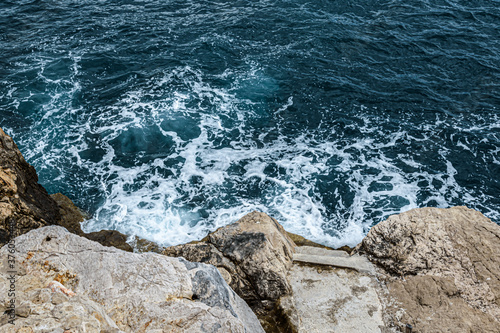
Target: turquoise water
<point x="167" y="119"/>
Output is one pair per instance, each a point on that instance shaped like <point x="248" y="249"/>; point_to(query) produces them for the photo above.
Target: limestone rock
<point x="333" y="258"/>
<point x="331" y="292"/>
<point x="116" y="291"/>
<point x="332" y="300"/>
<point x="442" y="268"/>
<point x="253" y="255"/>
<point x="23" y="202"/>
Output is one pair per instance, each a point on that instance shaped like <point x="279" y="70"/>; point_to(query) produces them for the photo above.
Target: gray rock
<point x="253" y="255"/>
<point x="335" y="258"/>
<point x="118" y="291"/>
<point x="332" y="300"/>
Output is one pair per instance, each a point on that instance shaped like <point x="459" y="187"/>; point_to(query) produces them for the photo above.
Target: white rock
<point x="118" y="291"/>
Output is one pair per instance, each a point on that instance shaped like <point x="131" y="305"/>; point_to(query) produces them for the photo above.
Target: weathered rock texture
<point x="71" y="216"/>
<point x="331" y="292"/>
<point x="442" y="267"/>
<point x="253" y="255"/>
<point x="112" y="238"/>
<point x="301" y="241"/>
<point x="115" y="291"/>
<point x="22" y="200"/>
<point x="330" y="300"/>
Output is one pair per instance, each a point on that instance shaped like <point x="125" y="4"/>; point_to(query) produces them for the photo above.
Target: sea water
<point x="168" y="119"/>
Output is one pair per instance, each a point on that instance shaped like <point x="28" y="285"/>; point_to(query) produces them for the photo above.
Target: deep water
<point x="167" y="119"/>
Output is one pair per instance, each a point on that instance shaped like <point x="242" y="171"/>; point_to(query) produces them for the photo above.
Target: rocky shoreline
<point x="434" y="270"/>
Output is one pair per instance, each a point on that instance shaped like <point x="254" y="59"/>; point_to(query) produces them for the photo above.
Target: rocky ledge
<point x="67" y="283"/>
<point x="434" y="270"/>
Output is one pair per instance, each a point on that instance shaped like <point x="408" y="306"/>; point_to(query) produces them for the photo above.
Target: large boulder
<point x="253" y="255"/>
<point x="68" y="283"/>
<point x="24" y="204"/>
<point x="442" y="267"/>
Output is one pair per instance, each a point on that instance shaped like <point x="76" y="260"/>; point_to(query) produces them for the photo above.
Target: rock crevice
<point x="253" y="255"/>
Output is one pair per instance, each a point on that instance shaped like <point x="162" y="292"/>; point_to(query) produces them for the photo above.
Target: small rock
<point x="59" y="298"/>
<point x="23" y="310"/>
<point x="56" y="286"/>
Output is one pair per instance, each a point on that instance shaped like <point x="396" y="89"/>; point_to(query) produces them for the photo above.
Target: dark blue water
<point x="167" y="119"/>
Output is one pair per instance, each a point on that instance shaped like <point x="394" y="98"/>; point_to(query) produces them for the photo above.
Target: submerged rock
<point x="441" y="267"/>
<point x="109" y="290"/>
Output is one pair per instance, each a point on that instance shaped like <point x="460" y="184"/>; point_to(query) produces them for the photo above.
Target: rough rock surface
<point x="112" y="238"/>
<point x="253" y="255"/>
<point x="71" y="216"/>
<point x="22" y="200"/>
<point x="302" y="241"/>
<point x="442" y="267"/>
<point x="115" y="291"/>
<point x="333" y="258"/>
<point x="328" y="300"/>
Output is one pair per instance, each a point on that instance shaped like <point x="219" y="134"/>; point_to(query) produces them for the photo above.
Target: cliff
<point x="435" y="270"/>
<point x="23" y="201"/>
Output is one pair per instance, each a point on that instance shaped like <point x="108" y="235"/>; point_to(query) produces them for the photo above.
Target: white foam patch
<point x="191" y="187"/>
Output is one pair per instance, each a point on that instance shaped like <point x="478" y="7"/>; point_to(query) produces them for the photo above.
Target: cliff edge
<point x="431" y="269"/>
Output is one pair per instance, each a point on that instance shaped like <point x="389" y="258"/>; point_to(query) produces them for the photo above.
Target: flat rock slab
<point x="327" y="300"/>
<point x="318" y="256"/>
